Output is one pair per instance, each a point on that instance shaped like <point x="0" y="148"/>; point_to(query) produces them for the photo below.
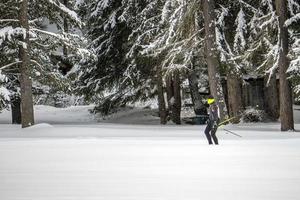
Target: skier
<point x="212" y="124"/>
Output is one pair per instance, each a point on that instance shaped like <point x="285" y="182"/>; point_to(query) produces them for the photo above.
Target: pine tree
<point x="261" y="53"/>
<point x="231" y="42"/>
<point x="264" y="49"/>
<point x="108" y="34"/>
<point x="172" y="35"/>
<point x="43" y="44"/>
<point x="25" y="79"/>
<point x="4" y="93"/>
<point x="8" y="53"/>
<point x="286" y="103"/>
<point x="212" y="55"/>
<point x="294" y="38"/>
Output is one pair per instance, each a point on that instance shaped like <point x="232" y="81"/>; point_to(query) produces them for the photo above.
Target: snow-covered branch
<point x="239" y="38"/>
<point x="292" y="20"/>
<point x="4" y="93"/>
<point x="8" y="20"/>
<point x="61" y="37"/>
<point x="271" y="21"/>
<point x="36" y="63"/>
<point x="11" y="64"/>
<point x="293" y="6"/>
<point x="253" y="9"/>
<point x="8" y="32"/>
<point x="71" y="14"/>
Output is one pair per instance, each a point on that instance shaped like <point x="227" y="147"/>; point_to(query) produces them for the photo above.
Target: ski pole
<point x="233" y="133"/>
<point x="227" y="120"/>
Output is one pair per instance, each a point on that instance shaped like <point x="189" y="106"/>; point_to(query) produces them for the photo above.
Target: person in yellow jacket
<point x="213" y="120"/>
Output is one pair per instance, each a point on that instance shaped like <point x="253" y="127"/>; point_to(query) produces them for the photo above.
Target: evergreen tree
<point x="232" y="41"/>
<point x="38" y="63"/>
<point x="294" y="32"/>
<point x="25" y="80"/>
<point x="265" y="46"/>
<point x="172" y="37"/>
<point x="286" y="102"/>
<point x="108" y="34"/>
<point x="212" y="57"/>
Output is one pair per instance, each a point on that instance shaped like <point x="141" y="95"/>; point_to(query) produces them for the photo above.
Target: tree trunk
<point x="25" y="80"/>
<point x="286" y="104"/>
<point x="161" y="97"/>
<point x="16" y="109"/>
<point x="177" y="97"/>
<point x="66" y="29"/>
<point x="174" y="96"/>
<point x="212" y="55"/>
<point x="271" y="98"/>
<point x="169" y="91"/>
<point x="199" y="107"/>
<point x="235" y="104"/>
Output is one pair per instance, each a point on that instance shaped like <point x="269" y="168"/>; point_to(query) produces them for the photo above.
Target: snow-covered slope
<point x="131" y="168"/>
<point x="107" y="161"/>
<point x="82" y="115"/>
<point x="52" y="115"/>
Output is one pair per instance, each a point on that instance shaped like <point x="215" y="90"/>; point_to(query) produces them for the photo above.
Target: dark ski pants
<point x="210" y="132"/>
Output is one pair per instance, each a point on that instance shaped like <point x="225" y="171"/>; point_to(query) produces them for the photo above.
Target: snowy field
<point x="71" y="156"/>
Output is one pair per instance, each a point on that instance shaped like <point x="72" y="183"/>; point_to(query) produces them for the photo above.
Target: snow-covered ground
<point x="71" y="156"/>
<point x="52" y="115"/>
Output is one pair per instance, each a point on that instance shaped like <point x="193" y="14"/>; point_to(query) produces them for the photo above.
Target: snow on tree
<point x="171" y="38"/>
<point x="46" y="44"/>
<point x="293" y="24"/>
<point x="4" y="93"/>
<point x="239" y="39"/>
<point x="231" y="29"/>
<point x="171" y="35"/>
<point x="232" y="32"/>
<point x="42" y="44"/>
<point x="109" y="25"/>
<point x="263" y="38"/>
<point x="295" y="63"/>
<point x="130" y="39"/>
<point x="267" y="43"/>
<point x="294" y="54"/>
<point x="108" y="35"/>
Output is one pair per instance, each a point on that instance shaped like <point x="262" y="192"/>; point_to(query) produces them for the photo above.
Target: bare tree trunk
<point x="161" y="97"/>
<point x="169" y="91"/>
<point x="212" y="55"/>
<point x="271" y="98"/>
<point x="235" y="104"/>
<point x="286" y="104"/>
<point x="25" y="80"/>
<point x="66" y="29"/>
<point x="174" y="96"/>
<point x="16" y="109"/>
<point x="177" y="97"/>
<point x="199" y="108"/>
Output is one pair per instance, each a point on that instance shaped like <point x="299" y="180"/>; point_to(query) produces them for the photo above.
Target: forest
<point x="149" y="99"/>
<point x="112" y="53"/>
